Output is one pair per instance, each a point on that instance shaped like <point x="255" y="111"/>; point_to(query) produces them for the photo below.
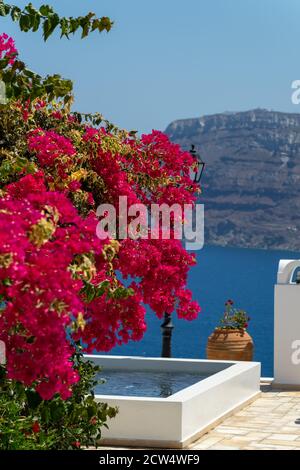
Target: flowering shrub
<point x="59" y="283"/>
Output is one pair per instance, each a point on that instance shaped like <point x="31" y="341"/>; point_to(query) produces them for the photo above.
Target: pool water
<point x="145" y="383"/>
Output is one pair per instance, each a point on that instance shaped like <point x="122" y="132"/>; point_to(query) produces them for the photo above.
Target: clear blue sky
<point x="171" y="59"/>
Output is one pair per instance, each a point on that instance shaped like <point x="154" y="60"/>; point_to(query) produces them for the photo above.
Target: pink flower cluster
<point x="7" y="48"/>
<point x="49" y="146"/>
<point x="41" y="297"/>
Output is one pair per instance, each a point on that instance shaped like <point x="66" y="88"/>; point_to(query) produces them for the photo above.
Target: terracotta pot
<point x="233" y="345"/>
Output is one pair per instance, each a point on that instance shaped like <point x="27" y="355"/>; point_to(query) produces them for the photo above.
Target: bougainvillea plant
<point x="59" y="283"/>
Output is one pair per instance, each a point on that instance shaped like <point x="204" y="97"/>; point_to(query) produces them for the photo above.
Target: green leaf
<point x="85" y="29"/>
<point x="28" y="73"/>
<point x="57" y="411"/>
<point x="31" y="10"/>
<point x="46" y="10"/>
<point x="49" y="25"/>
<point x="121" y="293"/>
<point x="25" y="22"/>
<point x="33" y="398"/>
<point x="7" y="282"/>
<point x="15" y="13"/>
<point x="4" y="63"/>
<point x="2" y="10"/>
<point x="95" y="24"/>
<point x="74" y="24"/>
<point x="36" y="23"/>
<point x="31" y="339"/>
<point x="64" y="27"/>
<point x="105" y="24"/>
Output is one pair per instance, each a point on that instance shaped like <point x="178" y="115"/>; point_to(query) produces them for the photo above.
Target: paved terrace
<point x="270" y="422"/>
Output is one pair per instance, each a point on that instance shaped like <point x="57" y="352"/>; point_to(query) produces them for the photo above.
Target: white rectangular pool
<point x="171" y="402"/>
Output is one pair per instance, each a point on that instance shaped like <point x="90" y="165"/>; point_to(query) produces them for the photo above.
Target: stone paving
<point x="270" y="422"/>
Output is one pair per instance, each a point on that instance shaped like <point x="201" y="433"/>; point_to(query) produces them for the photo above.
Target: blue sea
<point x="245" y="275"/>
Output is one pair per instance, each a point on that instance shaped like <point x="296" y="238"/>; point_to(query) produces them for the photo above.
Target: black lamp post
<point x="167" y="325"/>
<point x="200" y="164"/>
<point x="167" y="328"/>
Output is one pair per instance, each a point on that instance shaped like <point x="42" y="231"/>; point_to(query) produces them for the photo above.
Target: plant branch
<point x="32" y="19"/>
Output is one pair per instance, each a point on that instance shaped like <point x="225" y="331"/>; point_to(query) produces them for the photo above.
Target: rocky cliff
<point x="251" y="182"/>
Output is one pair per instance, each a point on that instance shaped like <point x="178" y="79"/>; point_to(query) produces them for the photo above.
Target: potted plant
<point x="230" y="340"/>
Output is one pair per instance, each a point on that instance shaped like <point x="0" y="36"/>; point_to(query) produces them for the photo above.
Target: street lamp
<point x="199" y="164"/>
<point x="167" y="325"/>
<point x="167" y="328"/>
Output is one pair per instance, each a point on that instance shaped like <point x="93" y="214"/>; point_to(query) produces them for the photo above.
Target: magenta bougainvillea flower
<point x="7" y="48"/>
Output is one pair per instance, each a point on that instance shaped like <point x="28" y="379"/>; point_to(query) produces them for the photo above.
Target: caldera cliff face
<point x="251" y="181"/>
